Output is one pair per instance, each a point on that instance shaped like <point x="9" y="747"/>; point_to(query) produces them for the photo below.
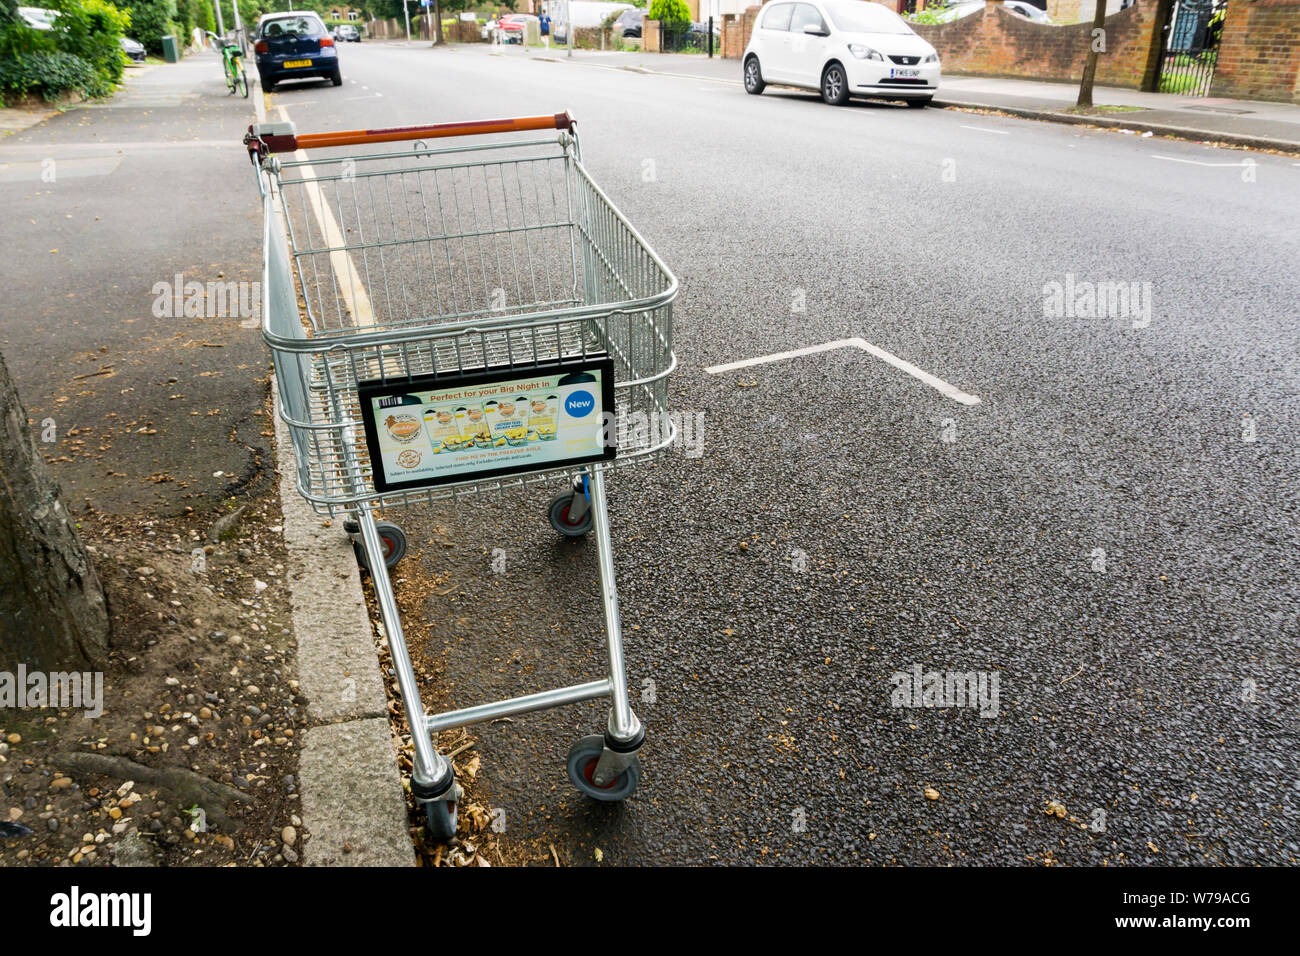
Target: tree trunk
<point x="52" y="610"/>
<point x="1090" y="68"/>
<point x="437" y="23"/>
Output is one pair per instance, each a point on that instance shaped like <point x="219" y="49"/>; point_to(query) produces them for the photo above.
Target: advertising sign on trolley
<point x="428" y="431"/>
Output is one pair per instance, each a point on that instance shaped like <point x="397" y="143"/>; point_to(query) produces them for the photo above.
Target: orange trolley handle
<point x="265" y="138"/>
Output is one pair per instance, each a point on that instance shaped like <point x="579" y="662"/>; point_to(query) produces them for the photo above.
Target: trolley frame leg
<point x="624" y="734"/>
<point x="432" y="776"/>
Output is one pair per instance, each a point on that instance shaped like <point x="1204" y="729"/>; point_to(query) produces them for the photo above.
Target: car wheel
<point x="835" y="85"/>
<point x="336" y="78"/>
<point x="753" y="77"/>
<point x="268" y="86"/>
<point x="919" y="104"/>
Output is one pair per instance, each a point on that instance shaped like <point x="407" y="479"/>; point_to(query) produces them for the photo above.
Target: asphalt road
<point x="150" y="408"/>
<point x="1110" y="533"/>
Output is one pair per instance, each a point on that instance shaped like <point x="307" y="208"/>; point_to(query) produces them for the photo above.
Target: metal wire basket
<point x="442" y="261"/>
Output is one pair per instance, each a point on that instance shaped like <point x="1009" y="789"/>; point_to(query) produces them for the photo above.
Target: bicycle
<point x="232" y="64"/>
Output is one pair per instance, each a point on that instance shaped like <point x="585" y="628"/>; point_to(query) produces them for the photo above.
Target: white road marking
<point x="350" y="286"/>
<point x="1197" y="162"/>
<point x="985" y="129"/>
<point x="938" y="384"/>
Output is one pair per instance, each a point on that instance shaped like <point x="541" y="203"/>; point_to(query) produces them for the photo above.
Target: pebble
<point x="289" y="835"/>
<point x="289" y="855"/>
<point x="15" y="738"/>
<point x="52" y="824"/>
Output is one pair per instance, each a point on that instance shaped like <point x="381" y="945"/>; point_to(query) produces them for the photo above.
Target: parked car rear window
<point x="293" y="27"/>
<point x="854" y="16"/>
<point x="778" y="17"/>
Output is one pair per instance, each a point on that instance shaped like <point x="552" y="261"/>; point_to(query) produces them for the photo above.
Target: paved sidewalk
<point x="1240" y="122"/>
<point x="1244" y="122"/>
<point x="110" y="201"/>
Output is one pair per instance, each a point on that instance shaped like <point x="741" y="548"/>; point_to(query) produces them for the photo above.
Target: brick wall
<point x="650" y="36"/>
<point x="995" y="42"/>
<point x="1259" y="52"/>
<point x="736" y="28"/>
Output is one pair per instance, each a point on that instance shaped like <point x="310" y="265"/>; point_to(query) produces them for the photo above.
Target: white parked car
<point x="843" y="48"/>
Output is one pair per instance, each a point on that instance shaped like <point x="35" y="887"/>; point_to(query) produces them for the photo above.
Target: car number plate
<point x="292" y="63"/>
<point x="903" y="73"/>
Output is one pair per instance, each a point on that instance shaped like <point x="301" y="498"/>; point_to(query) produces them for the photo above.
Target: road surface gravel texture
<point x="1105" y="542"/>
<point x="1107" y="538"/>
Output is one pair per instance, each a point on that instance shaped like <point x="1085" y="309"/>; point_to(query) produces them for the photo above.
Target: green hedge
<point x="49" y="74"/>
<point x="151" y="20"/>
<point x="671" y="13"/>
<point x="81" y="53"/>
<point x="91" y="29"/>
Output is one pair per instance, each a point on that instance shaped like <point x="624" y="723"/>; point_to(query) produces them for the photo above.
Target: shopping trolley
<point x="455" y="320"/>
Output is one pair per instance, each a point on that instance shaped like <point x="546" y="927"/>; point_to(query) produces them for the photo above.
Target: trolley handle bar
<point x="262" y="142"/>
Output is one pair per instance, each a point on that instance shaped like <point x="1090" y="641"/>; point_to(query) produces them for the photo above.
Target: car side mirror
<point x="814" y="30"/>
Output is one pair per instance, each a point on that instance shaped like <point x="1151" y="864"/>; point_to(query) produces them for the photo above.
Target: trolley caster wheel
<point x="391" y="538"/>
<point x="581" y="766"/>
<point x="440" y="817"/>
<point x="558" y="512"/>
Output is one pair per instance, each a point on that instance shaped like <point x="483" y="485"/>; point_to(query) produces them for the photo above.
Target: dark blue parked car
<point x="292" y="46"/>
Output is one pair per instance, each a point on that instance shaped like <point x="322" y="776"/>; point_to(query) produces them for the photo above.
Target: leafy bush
<point x="18" y="39"/>
<point x="928" y="15"/>
<point x="150" y="21"/>
<point x="81" y="51"/>
<point x="46" y="73"/>
<point x="91" y="29"/>
<point x="675" y="15"/>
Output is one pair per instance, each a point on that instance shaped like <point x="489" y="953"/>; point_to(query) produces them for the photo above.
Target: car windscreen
<point x="854" y="16"/>
<point x="293" y="27"/>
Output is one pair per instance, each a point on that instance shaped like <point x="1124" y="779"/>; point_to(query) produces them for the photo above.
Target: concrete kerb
<point x="353" y="804"/>
<point x="1106" y="122"/>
